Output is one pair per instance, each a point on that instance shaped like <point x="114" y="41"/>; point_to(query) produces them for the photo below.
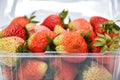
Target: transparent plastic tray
<point x="70" y="66"/>
<point x="77" y="8"/>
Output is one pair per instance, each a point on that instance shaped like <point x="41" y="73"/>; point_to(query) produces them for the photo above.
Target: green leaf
<point x="47" y="48"/>
<point x="100" y="35"/>
<point x="33" y="13"/>
<point x="24" y="48"/>
<point x="116" y="38"/>
<point x="99" y="44"/>
<point x="107" y="37"/>
<point x="105" y="48"/>
<point x="49" y="40"/>
<point x="115" y="31"/>
<point x="63" y="14"/>
<point x="50" y="46"/>
<point x="100" y="39"/>
<point x="32" y="17"/>
<point x="34" y="21"/>
<point x="85" y="35"/>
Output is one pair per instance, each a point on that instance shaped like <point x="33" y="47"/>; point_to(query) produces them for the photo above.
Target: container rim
<point x="60" y="54"/>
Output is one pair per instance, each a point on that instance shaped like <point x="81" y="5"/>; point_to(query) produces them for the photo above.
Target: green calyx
<point x="86" y="38"/>
<point x="24" y="48"/>
<point x="50" y="46"/>
<point x="63" y="16"/>
<point x="110" y="27"/>
<point x="107" y="43"/>
<point x="32" y="16"/>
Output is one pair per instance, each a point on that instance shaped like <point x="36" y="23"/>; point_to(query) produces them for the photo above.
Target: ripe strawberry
<point x="104" y="26"/>
<point x="23" y="20"/>
<point x="32" y="28"/>
<point x="55" y="19"/>
<point x="83" y="27"/>
<point x="107" y="37"/>
<point x="32" y="70"/>
<point x="64" y="70"/>
<point x="71" y="42"/>
<point x="38" y="42"/>
<point x="96" y="21"/>
<point x="80" y="25"/>
<point x="14" y="30"/>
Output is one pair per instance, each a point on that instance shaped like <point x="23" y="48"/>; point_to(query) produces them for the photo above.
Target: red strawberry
<point x="96" y="21"/>
<point x="80" y="25"/>
<point x="38" y="42"/>
<point x="104" y="26"/>
<point x="107" y="37"/>
<point x="55" y="19"/>
<point x="65" y="71"/>
<point x="71" y="43"/>
<point x="14" y="30"/>
<point x="23" y="20"/>
<point x="83" y="27"/>
<point x="32" y="70"/>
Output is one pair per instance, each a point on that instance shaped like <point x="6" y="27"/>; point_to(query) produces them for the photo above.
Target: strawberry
<point x="14" y="30"/>
<point x="32" y="28"/>
<point x="96" y="21"/>
<point x="32" y="70"/>
<point x="13" y="43"/>
<point x="38" y="42"/>
<point x="96" y="72"/>
<point x="23" y="20"/>
<point x="55" y="19"/>
<point x="80" y="25"/>
<point x="107" y="38"/>
<point x="104" y="26"/>
<point x="71" y="42"/>
<point x="64" y="70"/>
<point x="10" y="44"/>
<point x="83" y="27"/>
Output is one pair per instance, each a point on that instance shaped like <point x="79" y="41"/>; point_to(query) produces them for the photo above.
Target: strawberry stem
<point x="107" y="43"/>
<point x="110" y="27"/>
<point x="63" y="16"/>
<point x="32" y="16"/>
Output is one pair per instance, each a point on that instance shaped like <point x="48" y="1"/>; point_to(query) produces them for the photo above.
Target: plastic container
<point x="65" y="66"/>
<point x="52" y="66"/>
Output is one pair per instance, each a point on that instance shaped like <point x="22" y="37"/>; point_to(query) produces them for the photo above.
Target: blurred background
<point x="85" y="8"/>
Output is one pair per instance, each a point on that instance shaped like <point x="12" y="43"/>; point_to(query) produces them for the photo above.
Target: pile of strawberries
<point x="78" y="37"/>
